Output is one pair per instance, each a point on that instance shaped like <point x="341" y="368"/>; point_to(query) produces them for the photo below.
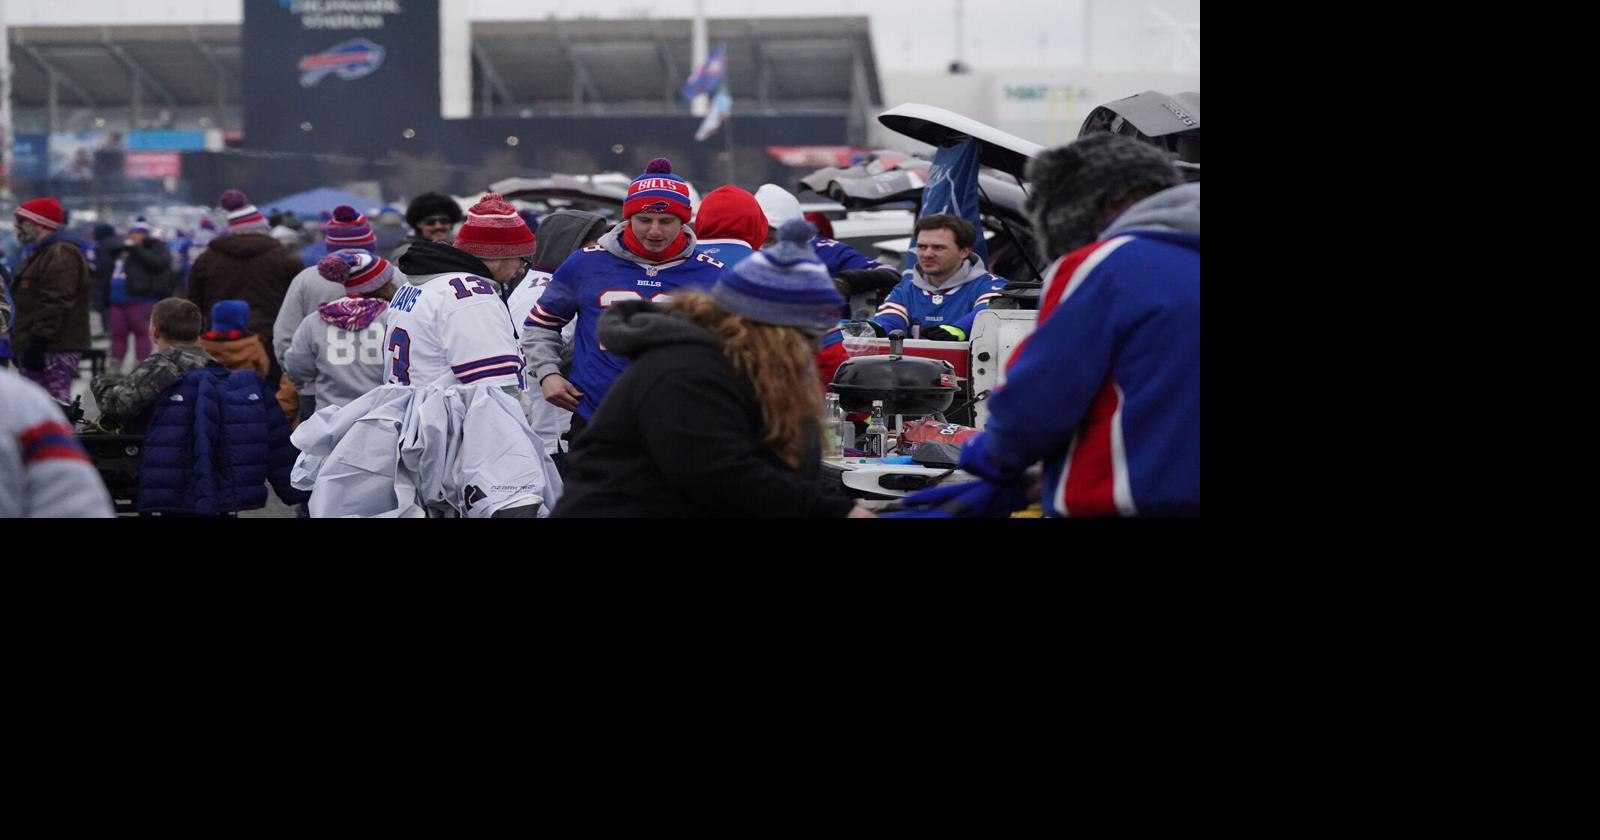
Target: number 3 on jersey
<point x="400" y="368"/>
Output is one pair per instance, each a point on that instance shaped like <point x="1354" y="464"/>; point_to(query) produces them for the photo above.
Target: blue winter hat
<point x="785" y="284"/>
<point x="139" y="226"/>
<point x="229" y="315"/>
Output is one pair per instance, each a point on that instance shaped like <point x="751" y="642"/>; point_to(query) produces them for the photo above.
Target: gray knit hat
<point x="1072" y="187"/>
<point x="785" y="284"/>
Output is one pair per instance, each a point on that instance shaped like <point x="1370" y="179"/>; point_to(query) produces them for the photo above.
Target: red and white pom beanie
<point x="495" y="231"/>
<point x="358" y="271"/>
<point x="242" y="215"/>
<point x="45" y="212"/>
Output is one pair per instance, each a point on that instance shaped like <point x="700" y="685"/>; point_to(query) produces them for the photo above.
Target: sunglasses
<point x="437" y="220"/>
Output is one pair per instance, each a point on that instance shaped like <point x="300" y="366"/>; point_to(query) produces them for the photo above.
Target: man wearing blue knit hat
<point x="646" y="257"/>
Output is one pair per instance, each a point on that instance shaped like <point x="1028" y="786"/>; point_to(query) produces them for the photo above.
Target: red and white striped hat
<point x="349" y="229"/>
<point x="494" y="230"/>
<point x="242" y="215"/>
<point x="45" y="212"/>
<point x="358" y="271"/>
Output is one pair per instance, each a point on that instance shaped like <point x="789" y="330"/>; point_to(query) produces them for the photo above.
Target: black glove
<point x="33" y="353"/>
<point x="877" y="328"/>
<point x="943" y="333"/>
<point x="857" y="281"/>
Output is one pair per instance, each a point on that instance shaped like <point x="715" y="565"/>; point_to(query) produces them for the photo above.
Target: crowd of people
<point x="495" y="363"/>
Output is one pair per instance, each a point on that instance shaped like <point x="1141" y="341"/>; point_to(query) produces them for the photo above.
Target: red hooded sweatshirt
<point x="731" y="213"/>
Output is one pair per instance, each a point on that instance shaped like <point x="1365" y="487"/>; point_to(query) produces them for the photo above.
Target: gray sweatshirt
<point x="337" y="351"/>
<point x="307" y="290"/>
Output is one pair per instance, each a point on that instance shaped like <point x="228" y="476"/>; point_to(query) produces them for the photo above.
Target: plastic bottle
<point x="877" y="443"/>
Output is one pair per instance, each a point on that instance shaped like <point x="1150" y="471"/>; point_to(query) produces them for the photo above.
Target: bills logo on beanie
<point x="44" y="212"/>
<point x="242" y="215"/>
<point x="359" y="272"/>
<point x="348" y="229"/>
<point x="495" y="231"/>
<point x="658" y="191"/>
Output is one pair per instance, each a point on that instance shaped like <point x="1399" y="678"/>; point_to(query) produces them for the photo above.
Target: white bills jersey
<point x="452" y="328"/>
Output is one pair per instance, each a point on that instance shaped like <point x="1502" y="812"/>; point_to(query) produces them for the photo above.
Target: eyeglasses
<point x="437" y="220"/>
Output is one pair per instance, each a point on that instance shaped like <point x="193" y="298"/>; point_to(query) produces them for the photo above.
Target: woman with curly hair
<point x="716" y="414"/>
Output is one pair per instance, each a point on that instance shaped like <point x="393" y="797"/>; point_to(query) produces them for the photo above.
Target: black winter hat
<point x="433" y="204"/>
<point x="1072" y="187"/>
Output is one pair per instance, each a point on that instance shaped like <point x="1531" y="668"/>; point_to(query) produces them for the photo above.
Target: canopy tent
<point x="308" y="204"/>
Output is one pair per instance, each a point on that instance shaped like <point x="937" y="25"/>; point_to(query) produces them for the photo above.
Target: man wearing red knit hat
<point x="51" y="293"/>
<point x="646" y="257"/>
<point x="448" y="324"/>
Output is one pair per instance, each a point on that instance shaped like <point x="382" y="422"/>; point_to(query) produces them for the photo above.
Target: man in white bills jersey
<point x="448" y="324"/>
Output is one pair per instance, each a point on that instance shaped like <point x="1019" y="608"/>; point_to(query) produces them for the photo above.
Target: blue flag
<point x="707" y="77"/>
<point x="953" y="188"/>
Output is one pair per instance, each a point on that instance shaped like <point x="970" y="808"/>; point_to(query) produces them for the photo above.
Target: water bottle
<point x="832" y="442"/>
<point x="877" y="443"/>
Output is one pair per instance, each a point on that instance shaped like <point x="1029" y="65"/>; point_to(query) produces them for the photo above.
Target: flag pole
<point x="727" y="140"/>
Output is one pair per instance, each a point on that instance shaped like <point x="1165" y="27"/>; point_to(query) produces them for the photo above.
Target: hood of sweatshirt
<point x="248" y="245"/>
<point x="425" y="259"/>
<point x="563" y="232"/>
<point x="964" y="275"/>
<point x="630" y="327"/>
<point x="612" y="242"/>
<point x="728" y="212"/>
<point x="1176" y="209"/>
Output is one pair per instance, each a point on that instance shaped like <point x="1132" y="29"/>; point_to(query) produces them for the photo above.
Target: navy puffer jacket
<point x="215" y="438"/>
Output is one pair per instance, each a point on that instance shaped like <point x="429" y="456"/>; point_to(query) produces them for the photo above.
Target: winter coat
<point x="124" y="398"/>
<point x="237" y="350"/>
<point x="148" y="274"/>
<point x="214" y="439"/>
<point x="680" y="434"/>
<point x="252" y="267"/>
<point x="106" y="245"/>
<point x="51" y="295"/>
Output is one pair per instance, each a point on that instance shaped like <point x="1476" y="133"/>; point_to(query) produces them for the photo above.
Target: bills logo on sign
<point x="351" y="59"/>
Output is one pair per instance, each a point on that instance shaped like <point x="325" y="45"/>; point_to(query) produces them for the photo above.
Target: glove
<point x="860" y="280"/>
<point x="33" y="353"/>
<point x="977" y="460"/>
<point x="967" y="499"/>
<point x="944" y="333"/>
<point x="877" y="329"/>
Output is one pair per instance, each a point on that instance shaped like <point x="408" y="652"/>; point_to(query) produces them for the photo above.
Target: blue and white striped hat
<point x="785" y="284"/>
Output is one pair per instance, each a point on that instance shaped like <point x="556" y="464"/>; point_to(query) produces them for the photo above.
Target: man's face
<point x="937" y="254"/>
<point x="506" y="269"/>
<point x="26" y="231"/>
<point x="136" y="237"/>
<point x="655" y="230"/>
<point x="436" y="228"/>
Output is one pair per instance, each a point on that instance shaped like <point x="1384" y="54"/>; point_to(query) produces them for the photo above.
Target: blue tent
<point x="308" y="204"/>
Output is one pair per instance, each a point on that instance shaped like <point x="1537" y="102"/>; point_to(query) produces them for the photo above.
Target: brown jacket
<point x="243" y="353"/>
<point x="252" y="267"/>
<point x="51" y="293"/>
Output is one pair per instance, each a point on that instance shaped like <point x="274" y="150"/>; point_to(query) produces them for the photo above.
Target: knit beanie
<point x="1072" y="188"/>
<point x="230" y="316"/>
<point x="242" y="215"/>
<point x="785" y="284"/>
<point x="432" y="204"/>
<point x="349" y="229"/>
<point x="495" y="231"/>
<point x="358" y="271"/>
<point x="658" y="191"/>
<point x="139" y="226"/>
<point x="45" y="212"/>
<point x="778" y="203"/>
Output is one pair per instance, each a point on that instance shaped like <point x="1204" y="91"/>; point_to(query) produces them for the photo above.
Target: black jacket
<point x="679" y="434"/>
